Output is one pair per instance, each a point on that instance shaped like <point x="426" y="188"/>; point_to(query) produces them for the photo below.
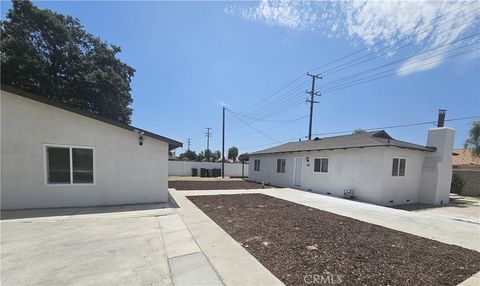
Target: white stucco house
<point x="53" y="155"/>
<point x="379" y="168"/>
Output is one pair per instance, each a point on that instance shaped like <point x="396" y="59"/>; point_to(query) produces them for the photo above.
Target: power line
<point x="282" y="99"/>
<point x="367" y="129"/>
<point x="328" y="83"/>
<point x="258" y="106"/>
<point x="260" y="119"/>
<point x="389" y="39"/>
<point x="188" y="143"/>
<point x="390" y="73"/>
<point x="279" y="125"/>
<point x="350" y="64"/>
<point x="399" y="125"/>
<point x="259" y="131"/>
<point x="277" y="91"/>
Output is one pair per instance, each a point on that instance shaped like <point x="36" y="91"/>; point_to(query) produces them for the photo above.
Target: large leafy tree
<point x="243" y="158"/>
<point x="233" y="153"/>
<point x="189" y="155"/>
<point x="473" y="140"/>
<point x="52" y="55"/>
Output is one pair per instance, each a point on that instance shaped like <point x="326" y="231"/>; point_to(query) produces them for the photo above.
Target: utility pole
<point x="208" y="134"/>
<point x="312" y="93"/>
<point x="223" y="143"/>
<point x="188" y="144"/>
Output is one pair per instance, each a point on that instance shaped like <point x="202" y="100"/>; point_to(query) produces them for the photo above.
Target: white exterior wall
<point x="366" y="170"/>
<point x="125" y="172"/>
<point x="437" y="169"/>
<point x="184" y="168"/>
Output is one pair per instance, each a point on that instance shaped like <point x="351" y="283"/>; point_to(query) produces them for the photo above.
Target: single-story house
<point x="378" y="168"/>
<point x="467" y="167"/>
<point x="54" y="155"/>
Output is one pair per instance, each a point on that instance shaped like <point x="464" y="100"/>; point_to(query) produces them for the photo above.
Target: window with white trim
<point x="320" y="165"/>
<point x="281" y="165"/>
<point x="69" y="165"/>
<point x="398" y="167"/>
<point x="256" y="165"/>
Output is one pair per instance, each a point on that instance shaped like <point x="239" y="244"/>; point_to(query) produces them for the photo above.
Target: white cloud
<point x="290" y="14"/>
<point x="426" y="24"/>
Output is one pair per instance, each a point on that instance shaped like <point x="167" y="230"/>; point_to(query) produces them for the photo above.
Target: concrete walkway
<point x="437" y="227"/>
<point x="234" y="265"/>
<point x="120" y="245"/>
<point x="215" y="243"/>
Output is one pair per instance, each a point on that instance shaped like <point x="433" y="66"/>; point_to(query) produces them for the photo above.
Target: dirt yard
<point x="299" y="244"/>
<point x="227" y="184"/>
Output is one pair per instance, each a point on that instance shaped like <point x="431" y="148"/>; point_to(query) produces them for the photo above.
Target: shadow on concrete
<point x="52" y="212"/>
<point x="456" y="201"/>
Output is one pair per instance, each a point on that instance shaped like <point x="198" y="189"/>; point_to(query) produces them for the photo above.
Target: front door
<point x="298" y="172"/>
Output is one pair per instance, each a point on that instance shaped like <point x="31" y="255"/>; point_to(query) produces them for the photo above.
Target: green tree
<point x="216" y="156"/>
<point x="243" y="158"/>
<point x="208" y="155"/>
<point x="473" y="140"/>
<point x="52" y="55"/>
<point x="358" y="130"/>
<point x="233" y="153"/>
<point x="201" y="157"/>
<point x="189" y="155"/>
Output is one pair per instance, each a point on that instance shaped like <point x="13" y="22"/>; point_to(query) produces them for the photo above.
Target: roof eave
<point x="424" y="149"/>
<point x="172" y="144"/>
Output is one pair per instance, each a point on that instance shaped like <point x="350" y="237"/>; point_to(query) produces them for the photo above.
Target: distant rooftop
<point x="357" y="140"/>
<point x="464" y="157"/>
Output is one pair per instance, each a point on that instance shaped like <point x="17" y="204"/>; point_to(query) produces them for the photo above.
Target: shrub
<point x="457" y="184"/>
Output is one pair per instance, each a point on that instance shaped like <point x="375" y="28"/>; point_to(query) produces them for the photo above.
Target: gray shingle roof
<point x="357" y="140"/>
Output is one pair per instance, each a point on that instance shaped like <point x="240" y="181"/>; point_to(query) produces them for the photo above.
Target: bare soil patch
<point x="298" y="243"/>
<point x="212" y="185"/>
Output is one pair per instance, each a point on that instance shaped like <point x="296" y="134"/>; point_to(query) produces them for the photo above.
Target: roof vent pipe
<point x="441" y="117"/>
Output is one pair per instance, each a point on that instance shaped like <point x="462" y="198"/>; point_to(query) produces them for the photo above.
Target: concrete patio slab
<point x="93" y="250"/>
<point x="118" y="245"/>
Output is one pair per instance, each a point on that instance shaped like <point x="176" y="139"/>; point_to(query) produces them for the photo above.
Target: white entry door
<point x="298" y="172"/>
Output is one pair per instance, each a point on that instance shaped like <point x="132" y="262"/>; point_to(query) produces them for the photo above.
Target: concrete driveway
<point x="124" y="245"/>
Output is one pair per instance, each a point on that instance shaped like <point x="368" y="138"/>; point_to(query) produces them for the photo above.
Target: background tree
<point x="233" y="153"/>
<point x="216" y="156"/>
<point x="188" y="155"/>
<point x="473" y="140"/>
<point x="201" y="157"/>
<point x="208" y="155"/>
<point x="243" y="158"/>
<point x="52" y="55"/>
<point x="359" y="130"/>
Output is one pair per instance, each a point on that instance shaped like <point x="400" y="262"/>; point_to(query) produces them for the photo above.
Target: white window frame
<point x="320" y="158"/>
<point x="398" y="175"/>
<point x="70" y="147"/>
<point x="255" y="165"/>
<point x="285" y="166"/>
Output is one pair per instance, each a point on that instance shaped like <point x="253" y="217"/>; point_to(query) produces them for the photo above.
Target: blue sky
<point x="191" y="58"/>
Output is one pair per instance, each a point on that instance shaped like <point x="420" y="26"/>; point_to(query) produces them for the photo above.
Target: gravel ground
<point x="302" y="245"/>
<point x="212" y="185"/>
